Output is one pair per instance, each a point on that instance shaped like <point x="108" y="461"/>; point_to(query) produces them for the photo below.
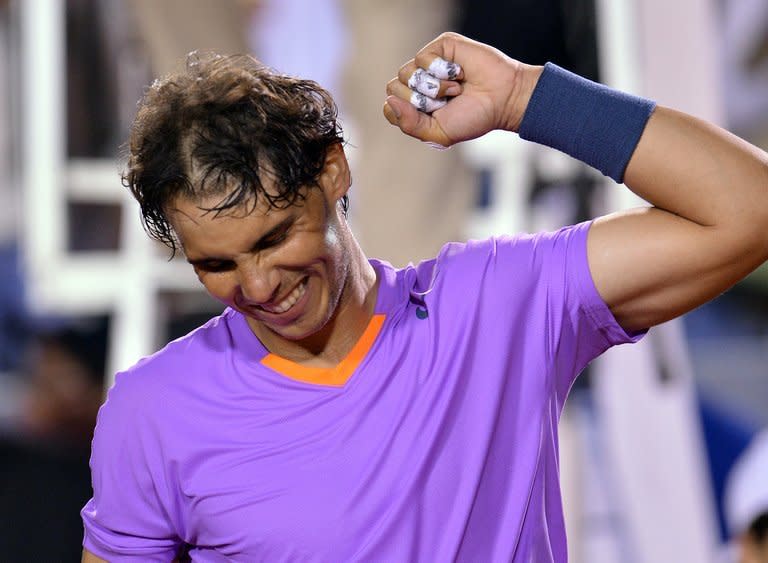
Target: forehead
<point x="186" y="213"/>
<point x="218" y="205"/>
<point x="203" y="230"/>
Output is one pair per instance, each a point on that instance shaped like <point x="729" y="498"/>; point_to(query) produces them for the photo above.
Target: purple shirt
<point x="441" y="445"/>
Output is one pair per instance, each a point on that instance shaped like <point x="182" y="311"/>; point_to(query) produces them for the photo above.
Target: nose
<point x="258" y="283"/>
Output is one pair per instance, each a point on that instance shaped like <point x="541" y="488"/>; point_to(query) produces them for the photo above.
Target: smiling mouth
<point x="287" y="304"/>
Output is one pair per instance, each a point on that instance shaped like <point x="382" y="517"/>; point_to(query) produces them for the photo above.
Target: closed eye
<point x="272" y="240"/>
<point x="214" y="266"/>
<point x="277" y="235"/>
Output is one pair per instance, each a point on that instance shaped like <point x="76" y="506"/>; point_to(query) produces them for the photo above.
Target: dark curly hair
<point x="217" y="128"/>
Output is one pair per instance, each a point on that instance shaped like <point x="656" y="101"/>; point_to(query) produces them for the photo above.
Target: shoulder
<point x="191" y="352"/>
<point x="522" y="256"/>
<point x="151" y="383"/>
<point x="520" y="246"/>
<point x="142" y="431"/>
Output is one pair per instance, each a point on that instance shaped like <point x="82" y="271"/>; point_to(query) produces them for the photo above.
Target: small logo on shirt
<point x="422" y="313"/>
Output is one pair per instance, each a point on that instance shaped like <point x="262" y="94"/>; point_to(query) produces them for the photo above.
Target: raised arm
<point x="708" y="227"/>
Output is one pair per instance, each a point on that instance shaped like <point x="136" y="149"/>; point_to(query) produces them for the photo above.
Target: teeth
<point x="289" y="301"/>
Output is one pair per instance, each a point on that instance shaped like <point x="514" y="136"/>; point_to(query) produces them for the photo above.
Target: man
<point x="342" y="410"/>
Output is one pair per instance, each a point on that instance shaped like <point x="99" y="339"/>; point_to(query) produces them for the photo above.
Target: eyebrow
<point x="260" y="244"/>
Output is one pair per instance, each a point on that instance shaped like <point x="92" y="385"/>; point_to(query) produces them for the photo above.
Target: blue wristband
<point x="589" y="121"/>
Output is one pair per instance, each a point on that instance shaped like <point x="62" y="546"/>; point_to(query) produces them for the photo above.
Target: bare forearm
<point x="709" y="189"/>
<point x="676" y="162"/>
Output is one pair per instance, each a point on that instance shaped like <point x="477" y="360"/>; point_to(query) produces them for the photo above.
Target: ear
<point x="335" y="178"/>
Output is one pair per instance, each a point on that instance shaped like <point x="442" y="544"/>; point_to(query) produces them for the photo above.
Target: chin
<point x="295" y="331"/>
<point x="299" y="332"/>
<point x="292" y="333"/>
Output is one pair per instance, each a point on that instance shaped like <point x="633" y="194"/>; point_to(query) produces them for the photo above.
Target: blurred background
<point x="656" y="463"/>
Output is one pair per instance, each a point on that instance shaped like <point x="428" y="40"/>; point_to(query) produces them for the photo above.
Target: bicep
<point x="650" y="265"/>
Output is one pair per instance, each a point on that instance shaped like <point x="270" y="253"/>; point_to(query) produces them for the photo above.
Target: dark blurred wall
<point x="536" y="31"/>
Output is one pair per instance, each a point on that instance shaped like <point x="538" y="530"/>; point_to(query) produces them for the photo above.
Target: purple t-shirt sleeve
<point x="128" y="517"/>
<point x="589" y="327"/>
<point x="582" y="324"/>
<point x="550" y="273"/>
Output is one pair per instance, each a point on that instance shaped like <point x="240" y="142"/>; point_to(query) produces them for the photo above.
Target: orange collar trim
<point x="335" y="376"/>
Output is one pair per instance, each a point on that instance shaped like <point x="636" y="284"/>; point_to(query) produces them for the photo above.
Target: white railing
<point x="125" y="283"/>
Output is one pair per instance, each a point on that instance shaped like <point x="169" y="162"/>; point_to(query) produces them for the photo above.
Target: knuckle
<point x="407" y="67"/>
<point x="406" y="71"/>
<point x="450" y="35"/>
<point x="424" y="59"/>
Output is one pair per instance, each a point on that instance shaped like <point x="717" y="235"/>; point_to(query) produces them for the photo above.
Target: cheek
<point x="305" y="248"/>
<point x="219" y="287"/>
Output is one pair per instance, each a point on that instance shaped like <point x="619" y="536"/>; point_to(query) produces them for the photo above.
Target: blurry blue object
<point x="484" y="198"/>
<point x="14" y="317"/>
<point x="726" y="437"/>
